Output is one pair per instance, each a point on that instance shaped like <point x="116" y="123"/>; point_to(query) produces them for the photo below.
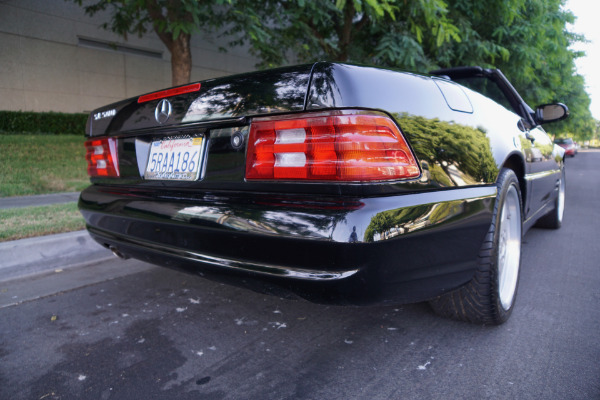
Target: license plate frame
<point x="167" y="159"/>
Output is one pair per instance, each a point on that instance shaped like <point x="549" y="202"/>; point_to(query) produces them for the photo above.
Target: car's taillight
<point x="102" y="158"/>
<point x="342" y="145"/>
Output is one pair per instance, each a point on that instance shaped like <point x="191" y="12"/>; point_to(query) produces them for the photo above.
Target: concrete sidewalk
<point x="38" y="200"/>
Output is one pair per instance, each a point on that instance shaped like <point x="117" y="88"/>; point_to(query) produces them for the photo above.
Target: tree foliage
<point x="527" y="39"/>
<point x="383" y="32"/>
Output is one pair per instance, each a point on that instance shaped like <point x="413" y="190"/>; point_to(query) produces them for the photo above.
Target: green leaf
<point x="374" y="4"/>
<point x="176" y="32"/>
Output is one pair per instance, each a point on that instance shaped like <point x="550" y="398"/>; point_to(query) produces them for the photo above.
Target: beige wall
<point x="43" y="68"/>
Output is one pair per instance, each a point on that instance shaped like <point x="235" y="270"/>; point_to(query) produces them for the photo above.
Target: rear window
<point x="563" y="141"/>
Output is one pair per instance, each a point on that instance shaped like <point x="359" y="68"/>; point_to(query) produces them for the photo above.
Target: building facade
<point x="54" y="57"/>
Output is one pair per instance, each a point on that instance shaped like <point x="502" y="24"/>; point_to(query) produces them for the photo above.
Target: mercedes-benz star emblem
<point x="163" y="111"/>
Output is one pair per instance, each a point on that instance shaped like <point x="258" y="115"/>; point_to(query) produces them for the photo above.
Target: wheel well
<point x="516" y="163"/>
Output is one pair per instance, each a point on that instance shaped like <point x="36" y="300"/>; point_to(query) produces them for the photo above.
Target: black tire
<point x="490" y="296"/>
<point x="553" y="220"/>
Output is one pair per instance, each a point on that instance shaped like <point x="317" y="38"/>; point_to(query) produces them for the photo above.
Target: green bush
<point x="42" y="122"/>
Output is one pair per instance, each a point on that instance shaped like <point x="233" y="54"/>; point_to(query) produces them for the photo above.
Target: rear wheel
<point x="553" y="219"/>
<point x="489" y="297"/>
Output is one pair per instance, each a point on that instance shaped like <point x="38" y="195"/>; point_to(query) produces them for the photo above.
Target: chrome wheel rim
<point x="509" y="247"/>
<point x="560" y="207"/>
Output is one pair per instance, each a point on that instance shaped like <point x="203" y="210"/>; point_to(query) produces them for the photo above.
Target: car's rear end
<point x="240" y="179"/>
<point x="568" y="144"/>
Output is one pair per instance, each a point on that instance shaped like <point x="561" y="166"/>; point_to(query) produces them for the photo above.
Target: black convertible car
<point x="338" y="183"/>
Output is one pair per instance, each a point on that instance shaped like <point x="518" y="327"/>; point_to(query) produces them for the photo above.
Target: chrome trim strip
<point x="539" y="175"/>
<point x="264" y="269"/>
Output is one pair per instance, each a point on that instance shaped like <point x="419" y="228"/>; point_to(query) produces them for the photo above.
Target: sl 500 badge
<point x="105" y="114"/>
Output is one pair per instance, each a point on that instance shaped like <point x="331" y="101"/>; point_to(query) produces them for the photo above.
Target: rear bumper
<point x="569" y="151"/>
<point x="402" y="248"/>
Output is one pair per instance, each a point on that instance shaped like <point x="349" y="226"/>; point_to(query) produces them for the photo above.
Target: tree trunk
<point x="345" y="32"/>
<point x="181" y="60"/>
<point x="181" y="54"/>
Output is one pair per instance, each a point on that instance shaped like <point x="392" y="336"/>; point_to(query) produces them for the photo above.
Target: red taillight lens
<point x="101" y="155"/>
<point x="334" y="146"/>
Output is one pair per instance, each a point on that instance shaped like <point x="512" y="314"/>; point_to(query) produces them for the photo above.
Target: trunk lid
<point x="220" y="99"/>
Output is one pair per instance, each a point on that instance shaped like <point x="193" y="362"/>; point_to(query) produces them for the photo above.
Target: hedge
<point x="42" y="122"/>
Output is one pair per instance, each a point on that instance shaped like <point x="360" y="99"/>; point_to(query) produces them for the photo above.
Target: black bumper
<point x="400" y="249"/>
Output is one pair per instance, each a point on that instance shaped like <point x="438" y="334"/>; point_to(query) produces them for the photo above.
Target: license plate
<point x="177" y="159"/>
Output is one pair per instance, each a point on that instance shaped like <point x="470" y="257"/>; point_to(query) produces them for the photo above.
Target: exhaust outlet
<point x="117" y="253"/>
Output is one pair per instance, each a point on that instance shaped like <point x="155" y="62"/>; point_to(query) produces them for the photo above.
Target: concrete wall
<point x="45" y="67"/>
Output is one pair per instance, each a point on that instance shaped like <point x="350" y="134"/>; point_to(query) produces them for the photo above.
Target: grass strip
<point x="20" y="223"/>
<point x="40" y="164"/>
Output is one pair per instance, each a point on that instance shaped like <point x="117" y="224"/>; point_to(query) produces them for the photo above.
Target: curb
<point x="32" y="256"/>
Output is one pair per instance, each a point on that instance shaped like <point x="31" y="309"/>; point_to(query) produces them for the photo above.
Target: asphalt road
<point x="127" y="330"/>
